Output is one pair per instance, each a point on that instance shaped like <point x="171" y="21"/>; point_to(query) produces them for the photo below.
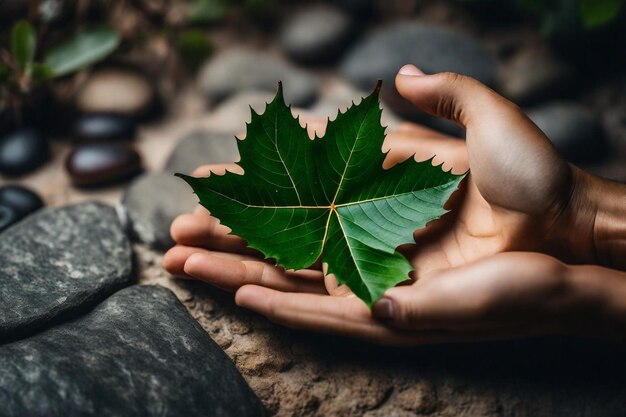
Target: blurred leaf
<point x="193" y="47"/>
<point x="208" y="11"/>
<point x="83" y="49"/>
<point x="5" y="73"/>
<point x="596" y="13"/>
<point x="23" y="43"/>
<point x="42" y="72"/>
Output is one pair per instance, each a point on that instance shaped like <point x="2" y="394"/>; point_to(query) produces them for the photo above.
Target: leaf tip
<point x="379" y="84"/>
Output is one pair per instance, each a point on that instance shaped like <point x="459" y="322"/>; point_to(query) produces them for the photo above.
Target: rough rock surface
<point x="137" y="353"/>
<point x="59" y="261"/>
<point x="304" y="374"/>
<point x="152" y="202"/>
<point x="203" y="147"/>
<point x="242" y="69"/>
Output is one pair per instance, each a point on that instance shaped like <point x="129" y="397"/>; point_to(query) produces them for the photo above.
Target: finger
<point x="175" y="258"/>
<point x="219" y="169"/>
<point x="229" y="273"/>
<point x="508" y="290"/>
<point x="201" y="229"/>
<point x="335" y="315"/>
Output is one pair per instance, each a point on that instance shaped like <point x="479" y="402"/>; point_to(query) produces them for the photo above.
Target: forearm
<point x="600" y="302"/>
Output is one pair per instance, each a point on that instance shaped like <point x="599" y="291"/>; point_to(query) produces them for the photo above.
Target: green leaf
<point x="208" y="11"/>
<point x="42" y="72"/>
<point x="23" y="43"/>
<point x="596" y="13"/>
<point x="330" y="198"/>
<point x="83" y="49"/>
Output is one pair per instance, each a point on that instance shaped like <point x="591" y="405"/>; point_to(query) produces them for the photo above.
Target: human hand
<point x="520" y="195"/>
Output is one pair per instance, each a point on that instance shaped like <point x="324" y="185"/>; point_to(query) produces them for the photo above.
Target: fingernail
<point x="410" y="69"/>
<point x="383" y="309"/>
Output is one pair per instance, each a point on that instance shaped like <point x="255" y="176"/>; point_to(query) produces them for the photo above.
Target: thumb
<point x="449" y="95"/>
<point x="508" y="154"/>
<point x="406" y="307"/>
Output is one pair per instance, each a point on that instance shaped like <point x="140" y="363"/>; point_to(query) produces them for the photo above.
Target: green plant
<point x="20" y="71"/>
<point x="302" y="200"/>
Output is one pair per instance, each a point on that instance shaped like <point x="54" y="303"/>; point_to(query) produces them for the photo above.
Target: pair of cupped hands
<point x="532" y="246"/>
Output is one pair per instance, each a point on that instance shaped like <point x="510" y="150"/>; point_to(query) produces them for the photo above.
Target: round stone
<point x="22" y="152"/>
<point x="21" y="200"/>
<point x="316" y="34"/>
<point x="8" y="216"/>
<point x="100" y="127"/>
<point x="101" y="164"/>
<point x="117" y="91"/>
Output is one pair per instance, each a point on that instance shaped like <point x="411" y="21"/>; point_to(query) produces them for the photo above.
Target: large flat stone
<point x="57" y="262"/>
<point x="139" y="353"/>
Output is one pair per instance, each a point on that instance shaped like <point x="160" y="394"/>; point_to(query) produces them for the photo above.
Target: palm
<point x="492" y="213"/>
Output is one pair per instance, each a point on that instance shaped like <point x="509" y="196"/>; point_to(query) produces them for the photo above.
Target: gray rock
<point x="57" y="262"/>
<point x="316" y="34"/>
<point x="139" y="353"/>
<point x="242" y="69"/>
<point x="534" y="74"/>
<point x="152" y="202"/>
<point x="573" y="130"/>
<point x="433" y="49"/>
<point x="202" y="148"/>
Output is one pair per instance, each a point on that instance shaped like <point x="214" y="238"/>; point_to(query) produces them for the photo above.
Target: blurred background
<point x="99" y="98"/>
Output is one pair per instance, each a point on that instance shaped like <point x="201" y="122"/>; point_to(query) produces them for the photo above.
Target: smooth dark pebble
<point x="22" y="200"/>
<point x="22" y="152"/>
<point x="100" y="164"/>
<point x="101" y="127"/>
<point x="7" y="217"/>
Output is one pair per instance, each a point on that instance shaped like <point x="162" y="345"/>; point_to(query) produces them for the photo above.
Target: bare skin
<point x="493" y="268"/>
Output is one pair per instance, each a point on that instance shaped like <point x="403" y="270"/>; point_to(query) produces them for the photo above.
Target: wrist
<point x="610" y="223"/>
<point x="594" y="225"/>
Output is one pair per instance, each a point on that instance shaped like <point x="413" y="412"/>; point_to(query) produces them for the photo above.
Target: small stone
<point x="21" y="200"/>
<point x="101" y="164"/>
<point x="316" y="34"/>
<point x="59" y="261"/>
<point x="574" y="131"/>
<point x="8" y="217"/>
<point x="101" y="127"/>
<point x="535" y="74"/>
<point x="433" y="49"/>
<point x="117" y="91"/>
<point x="242" y="69"/>
<point x="22" y="152"/>
<point x="202" y="148"/>
<point x="138" y="353"/>
<point x="152" y="202"/>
